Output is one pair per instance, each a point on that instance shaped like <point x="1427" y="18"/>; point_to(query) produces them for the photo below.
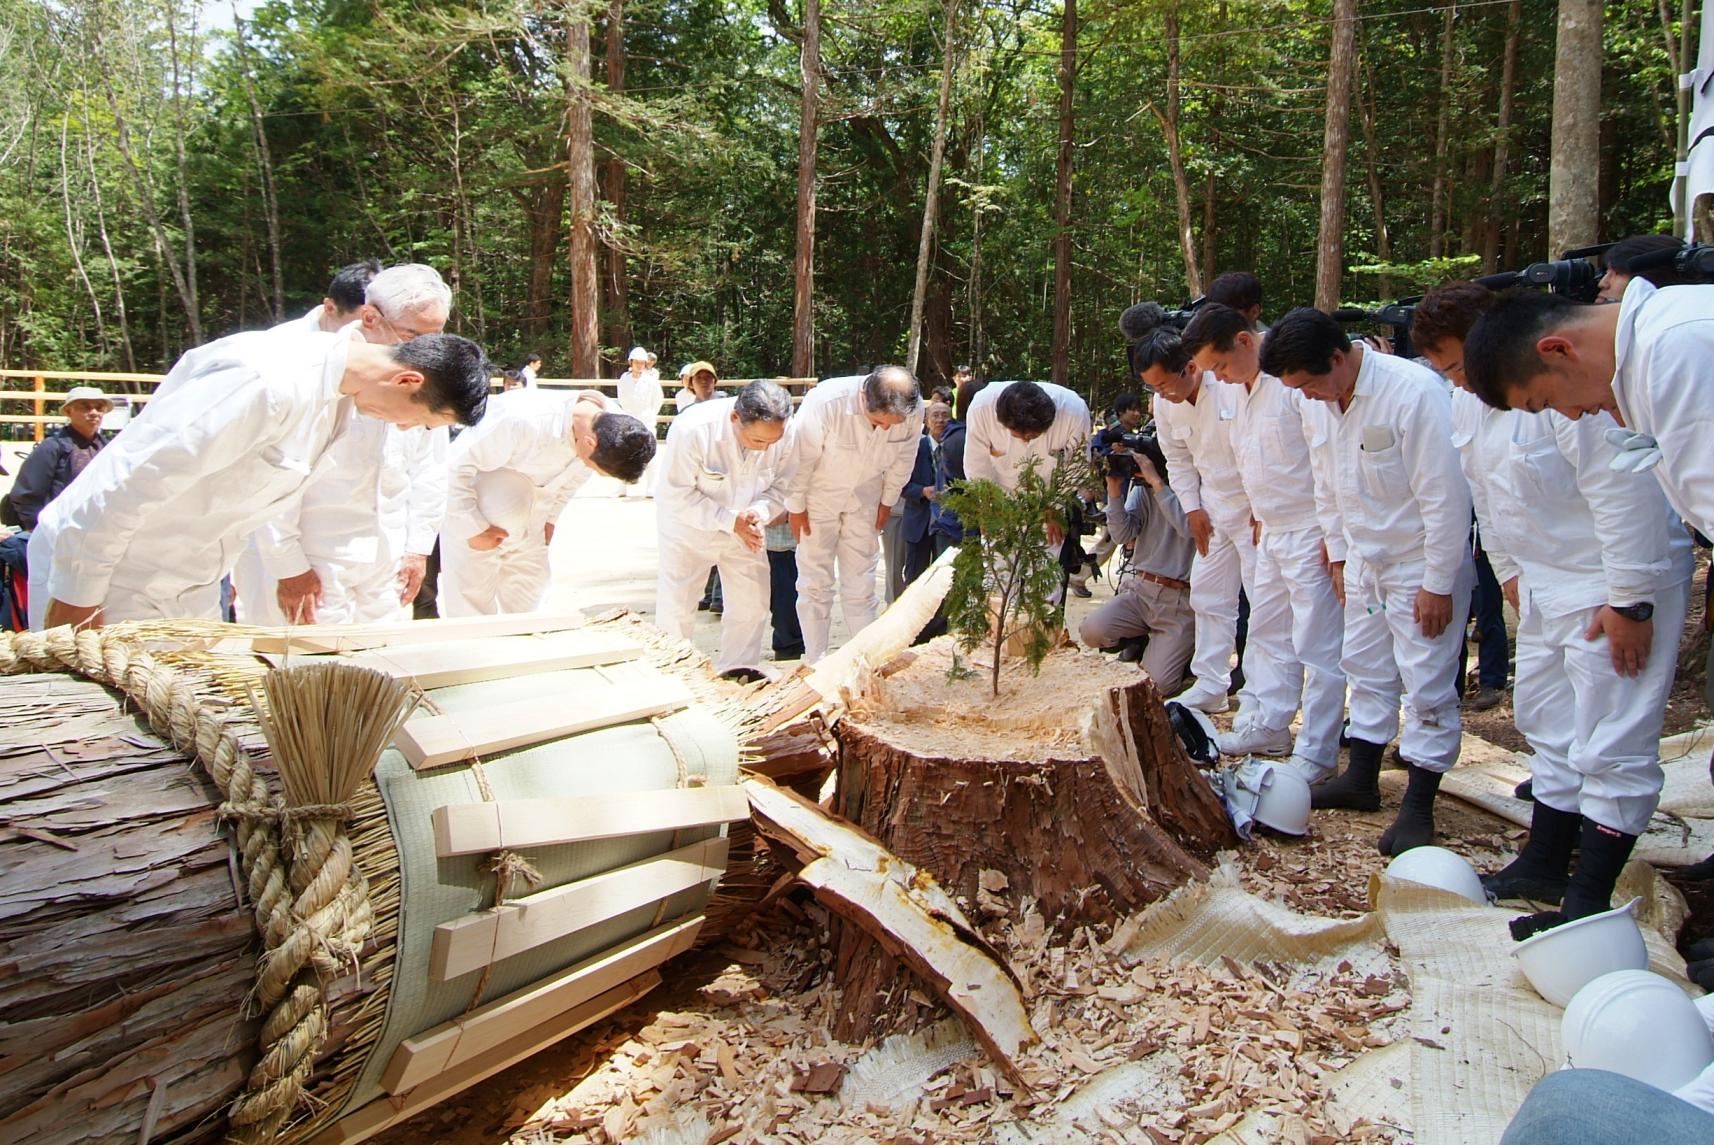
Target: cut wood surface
<point x="476" y="940"/>
<point x="443" y="665"/>
<point x="907" y="912"/>
<point x="313" y="638"/>
<point x="475" y="828"/>
<point x="454" y="1043"/>
<point x="435" y="740"/>
<point x="385" y="1111"/>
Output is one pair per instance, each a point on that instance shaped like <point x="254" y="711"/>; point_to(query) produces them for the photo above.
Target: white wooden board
<point x="443" y="665"/>
<point x="476" y="828"/>
<point x="308" y="639"/>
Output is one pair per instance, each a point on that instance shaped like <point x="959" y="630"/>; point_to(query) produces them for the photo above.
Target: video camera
<point x="1143" y="441"/>
<point x="1693" y="262"/>
<point x="1143" y="319"/>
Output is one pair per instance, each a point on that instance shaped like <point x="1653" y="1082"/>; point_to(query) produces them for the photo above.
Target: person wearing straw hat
<point x="235" y="432"/>
<point x="700" y="381"/>
<point x="62" y="455"/>
<point x="641" y="396"/>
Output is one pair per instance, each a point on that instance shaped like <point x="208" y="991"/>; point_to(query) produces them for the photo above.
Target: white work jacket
<point x="1664" y="387"/>
<point x="991" y="453"/>
<point x="1272" y="454"/>
<point x="307" y="323"/>
<point x="235" y="432"/>
<point x="1554" y="512"/>
<point x="1196" y="437"/>
<point x="840" y="461"/>
<point x="709" y="477"/>
<point x="1388" y="485"/>
<point x="525" y="430"/>
<point x="642" y="397"/>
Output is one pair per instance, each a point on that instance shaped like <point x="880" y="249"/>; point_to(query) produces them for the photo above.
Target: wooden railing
<point x="44" y="401"/>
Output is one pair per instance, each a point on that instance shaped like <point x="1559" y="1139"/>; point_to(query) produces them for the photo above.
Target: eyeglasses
<point x="402" y="333"/>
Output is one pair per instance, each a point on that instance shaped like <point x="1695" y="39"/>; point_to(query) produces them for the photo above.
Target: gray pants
<point x="1143" y="608"/>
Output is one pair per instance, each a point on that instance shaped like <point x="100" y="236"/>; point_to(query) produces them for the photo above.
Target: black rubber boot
<point x="1358" y="787"/>
<point x="1604" y="853"/>
<point x="1543" y="867"/>
<point x="1702" y="870"/>
<point x="1414" y="826"/>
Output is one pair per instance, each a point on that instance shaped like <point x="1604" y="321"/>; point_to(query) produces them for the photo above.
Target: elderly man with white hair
<point x="725" y="480"/>
<point x="641" y="396"/>
<point x="854" y="441"/>
<point x="355" y="547"/>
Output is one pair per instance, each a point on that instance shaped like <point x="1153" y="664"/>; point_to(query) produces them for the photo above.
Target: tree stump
<point x="1072" y="786"/>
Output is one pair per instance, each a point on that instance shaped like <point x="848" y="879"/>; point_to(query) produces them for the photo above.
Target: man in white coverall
<point x="357" y="545"/>
<point x="1040" y="420"/>
<point x="853" y="443"/>
<point x="1193" y="424"/>
<point x="234" y="433"/>
<point x="641" y="396"/>
<point x="724" y="480"/>
<point x="1395" y="513"/>
<point x="343" y="304"/>
<point x="556" y="440"/>
<point x="1291" y="656"/>
<point x="1577" y="545"/>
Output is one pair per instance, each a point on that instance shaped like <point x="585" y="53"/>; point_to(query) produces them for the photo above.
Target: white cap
<point x="636" y="353"/>
<point x="85" y="394"/>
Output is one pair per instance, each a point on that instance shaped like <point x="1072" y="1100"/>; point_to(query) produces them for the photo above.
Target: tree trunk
<point x="615" y="279"/>
<point x="1442" y="131"/>
<point x="1208" y="212"/>
<point x="74" y="236"/>
<point x="580" y="156"/>
<point x="1573" y="196"/>
<point x="264" y="165"/>
<point x="544" y="208"/>
<point x="803" y="260"/>
<point x="1677" y="54"/>
<point x="931" y="203"/>
<point x="976" y="347"/>
<point x="1377" y="200"/>
<point x="1335" y="143"/>
<point x="1092" y="840"/>
<point x="1062" y="196"/>
<point x="1502" y="138"/>
<point x="184" y="85"/>
<point x="1175" y="157"/>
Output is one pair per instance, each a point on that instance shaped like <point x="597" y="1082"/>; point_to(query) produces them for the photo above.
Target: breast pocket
<point x="1282" y="439"/>
<point x="712" y="483"/>
<point x="1381" y="465"/>
<point x="1538" y="472"/>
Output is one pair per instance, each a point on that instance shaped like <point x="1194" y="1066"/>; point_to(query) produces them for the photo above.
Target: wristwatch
<point x="1637" y="612"/>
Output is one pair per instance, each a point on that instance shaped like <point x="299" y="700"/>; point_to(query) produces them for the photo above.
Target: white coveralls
<point x="844" y="470"/>
<point x="1291" y="656"/>
<point x="991" y="453"/>
<point x="234" y="433"/>
<point x="528" y="431"/>
<point x="1579" y="535"/>
<point x="1196" y="437"/>
<point x="710" y="478"/>
<point x="642" y="398"/>
<point x="1396" y="509"/>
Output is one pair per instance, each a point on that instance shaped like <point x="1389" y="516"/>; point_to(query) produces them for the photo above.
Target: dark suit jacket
<point x="914" y="527"/>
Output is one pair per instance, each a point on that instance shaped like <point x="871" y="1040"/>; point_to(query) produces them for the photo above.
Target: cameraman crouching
<point x="1108" y="443"/>
<point x="1153" y="602"/>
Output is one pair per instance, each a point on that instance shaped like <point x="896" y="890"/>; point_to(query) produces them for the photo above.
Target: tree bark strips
<point x="803" y="259"/>
<point x="1061" y="367"/>
<point x="580" y="155"/>
<point x="1335" y="144"/>
<point x="1573" y="194"/>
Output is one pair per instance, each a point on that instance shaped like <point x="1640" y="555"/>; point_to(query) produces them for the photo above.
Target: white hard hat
<point x="1639" y="1024"/>
<point x="637" y="353"/>
<point x="505" y="497"/>
<point x="1561" y="961"/>
<point x="1284" y="804"/>
<point x="1438" y="867"/>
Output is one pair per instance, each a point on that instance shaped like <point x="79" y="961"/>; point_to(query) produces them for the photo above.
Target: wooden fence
<point x="30" y="389"/>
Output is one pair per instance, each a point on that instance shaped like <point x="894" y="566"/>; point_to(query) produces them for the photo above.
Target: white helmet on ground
<point x="1561" y="961"/>
<point x="1639" y="1024"/>
<point x="505" y="497"/>
<point x="1262" y="791"/>
<point x="1438" y="867"/>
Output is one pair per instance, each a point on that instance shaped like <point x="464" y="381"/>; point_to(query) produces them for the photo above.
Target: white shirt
<point x="233" y="435"/>
<point x="709" y="477"/>
<point x="1196" y="437"/>
<point x="1388" y="484"/>
<point x="642" y="397"/>
<point x="841" y="462"/>
<point x="1664" y="385"/>
<point x="991" y="453"/>
<point x="1553" y="511"/>
<point x="525" y="430"/>
<point x="310" y="322"/>
<point x="528" y="373"/>
<point x="1272" y="454"/>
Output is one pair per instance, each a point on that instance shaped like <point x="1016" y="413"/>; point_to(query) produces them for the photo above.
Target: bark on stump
<point x="1092" y="840"/>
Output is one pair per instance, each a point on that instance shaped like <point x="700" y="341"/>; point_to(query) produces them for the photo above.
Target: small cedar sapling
<point x="1005" y="577"/>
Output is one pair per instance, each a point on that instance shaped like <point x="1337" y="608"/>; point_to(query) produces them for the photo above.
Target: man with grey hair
<point x="722" y="483"/>
<point x="853" y="443"/>
<point x="355" y="547"/>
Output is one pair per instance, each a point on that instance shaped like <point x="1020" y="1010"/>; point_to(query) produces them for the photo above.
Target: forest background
<point x="592" y="175"/>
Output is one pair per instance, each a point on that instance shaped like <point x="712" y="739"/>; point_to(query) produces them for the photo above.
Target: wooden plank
<point x="312" y="638"/>
<point x="443" y="665"/>
<point x="477" y="828"/>
<point x="476" y="940"/>
<point x="431" y="741"/>
<point x="451" y="1044"/>
<point x="386" y="1111"/>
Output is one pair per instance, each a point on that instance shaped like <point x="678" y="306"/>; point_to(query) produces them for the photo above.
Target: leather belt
<point x="1157" y="578"/>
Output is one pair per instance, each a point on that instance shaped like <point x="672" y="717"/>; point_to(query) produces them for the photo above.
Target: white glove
<point x="1638" y="452"/>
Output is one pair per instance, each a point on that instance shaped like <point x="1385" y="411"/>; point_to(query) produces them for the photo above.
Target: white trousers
<point x="189" y="602"/>
<point x="350" y="593"/>
<point x="1291" y="656"/>
<point x="511" y="578"/>
<point x="685" y="559"/>
<point x="1387" y="658"/>
<point x="1215" y="581"/>
<point x="1595" y="733"/>
<point x="845" y="545"/>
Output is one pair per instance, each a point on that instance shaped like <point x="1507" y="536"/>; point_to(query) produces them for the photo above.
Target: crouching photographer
<point x="1110" y="446"/>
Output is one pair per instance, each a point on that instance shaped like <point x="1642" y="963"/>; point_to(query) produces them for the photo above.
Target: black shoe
<point x="1525" y="791"/>
<point x="1358" y="787"/>
<point x="789" y="653"/>
<point x="1543" y="867"/>
<point x="1414" y="826"/>
<point x="1701" y="973"/>
<point x="742" y="675"/>
<point x="703" y="604"/>
<point x="1702" y="870"/>
<point x="1604" y="854"/>
<point x="1702" y="950"/>
<point x="1132" y="650"/>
